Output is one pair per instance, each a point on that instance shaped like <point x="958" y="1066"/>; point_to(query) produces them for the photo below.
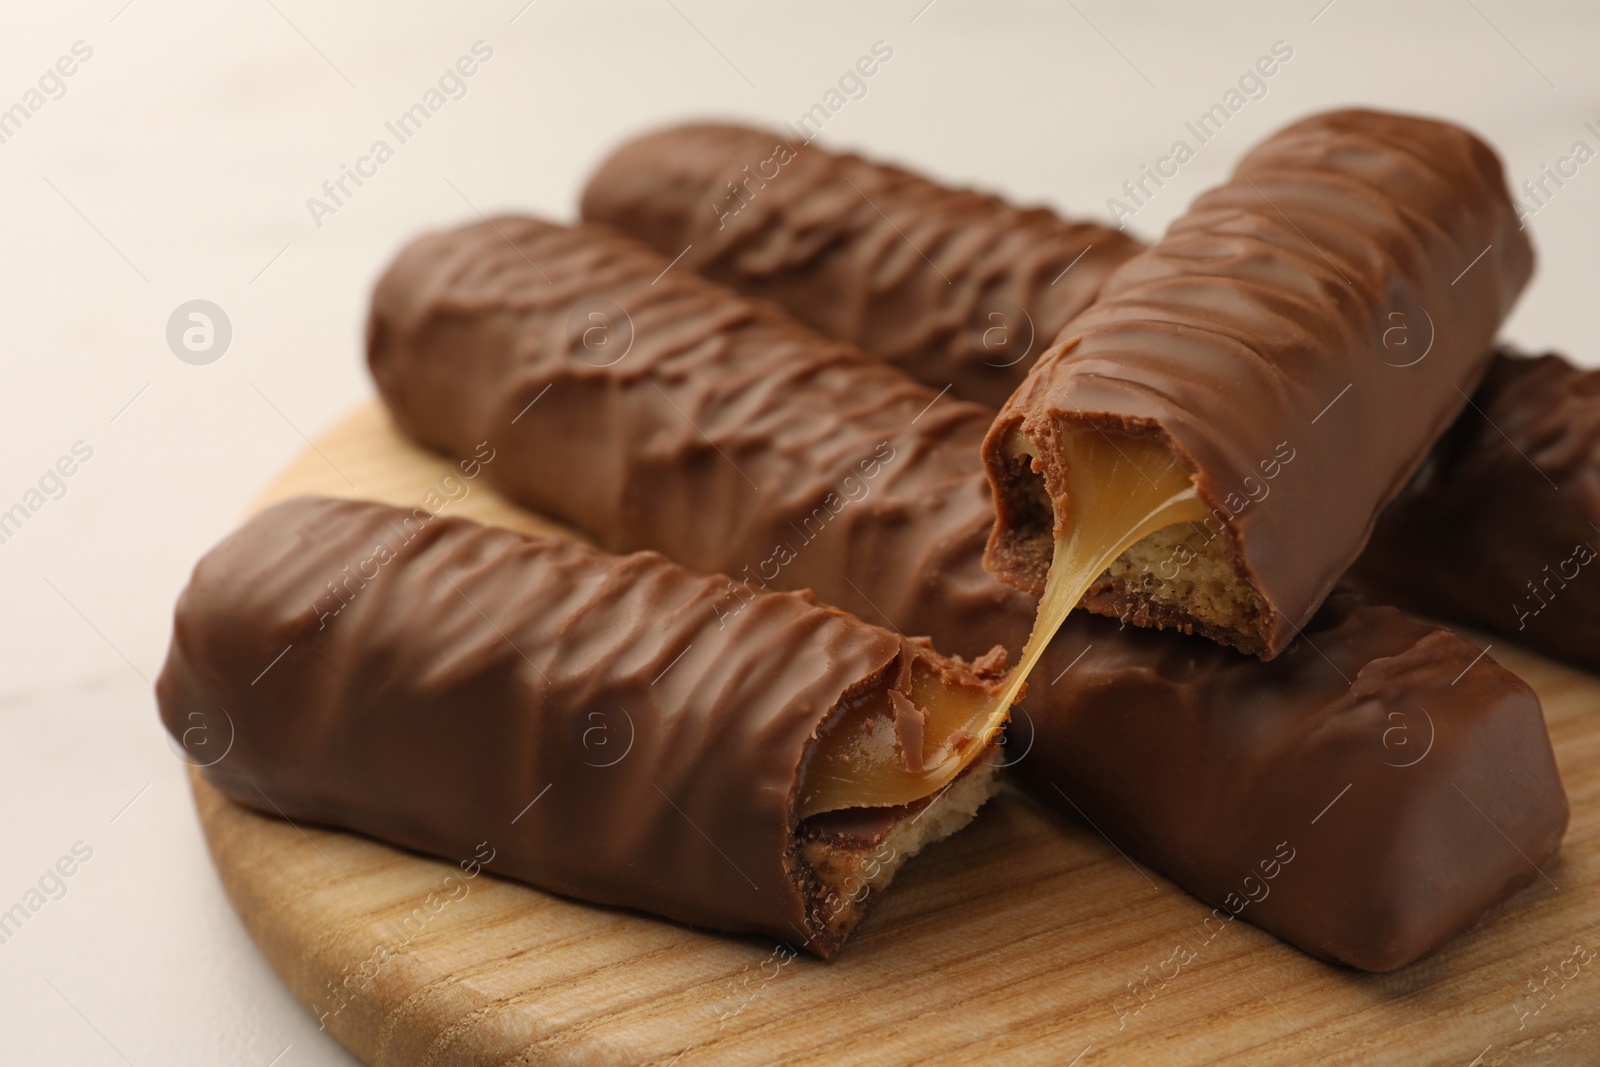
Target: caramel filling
<point x="896" y="748"/>
<point x="1121" y="489"/>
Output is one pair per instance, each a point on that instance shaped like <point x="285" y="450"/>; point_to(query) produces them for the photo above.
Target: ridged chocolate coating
<point x="457" y="359"/>
<point x="953" y="286"/>
<point x="1501" y="527"/>
<point x="808" y="247"/>
<point x="589" y="717"/>
<point x="725" y="434"/>
<point x="1264" y="316"/>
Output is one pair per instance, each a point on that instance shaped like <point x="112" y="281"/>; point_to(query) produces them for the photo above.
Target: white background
<point x="178" y="165"/>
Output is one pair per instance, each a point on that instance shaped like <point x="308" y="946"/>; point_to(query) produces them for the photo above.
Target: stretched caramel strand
<point x="1330" y="307"/>
<point x="957" y="288"/>
<point x="466" y="335"/>
<point x="440" y="684"/>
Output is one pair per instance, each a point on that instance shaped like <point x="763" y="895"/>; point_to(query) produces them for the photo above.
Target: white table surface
<point x="178" y="163"/>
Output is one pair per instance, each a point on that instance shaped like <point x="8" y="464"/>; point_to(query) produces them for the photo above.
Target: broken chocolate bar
<point x="809" y="246"/>
<point x="1273" y="371"/>
<point x="436" y="683"/>
<point x="725" y="435"/>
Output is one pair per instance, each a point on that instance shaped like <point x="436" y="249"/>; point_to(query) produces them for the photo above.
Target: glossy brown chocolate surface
<point x="1365" y="796"/>
<point x="1500" y="527"/>
<point x="722" y="423"/>
<point x="953" y="286"/>
<point x="460" y="689"/>
<point x="1338" y="298"/>
<point x="659" y="410"/>
<point x="1475" y="507"/>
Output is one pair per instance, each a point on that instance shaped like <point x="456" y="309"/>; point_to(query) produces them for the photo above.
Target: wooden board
<point x="1018" y="940"/>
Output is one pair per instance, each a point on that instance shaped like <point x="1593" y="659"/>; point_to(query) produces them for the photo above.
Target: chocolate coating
<point x="724" y="434"/>
<point x="1356" y="751"/>
<point x="1500" y="528"/>
<point x="466" y="333"/>
<point x="1265" y="318"/>
<point x="953" y="286"/>
<point x="1475" y="507"/>
<point x="444" y="684"/>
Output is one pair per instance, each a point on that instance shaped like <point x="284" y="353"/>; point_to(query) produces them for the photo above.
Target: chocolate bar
<point x="1269" y="374"/>
<point x="1349" y="795"/>
<point x="588" y="718"/>
<point x="719" y="432"/>
<point x="953" y="286"/>
<point x="1500" y="527"/>
<point x="808" y="246"/>
<point x="684" y="401"/>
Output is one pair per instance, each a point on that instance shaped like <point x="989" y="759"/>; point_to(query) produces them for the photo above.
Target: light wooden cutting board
<point x="1017" y="941"/>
